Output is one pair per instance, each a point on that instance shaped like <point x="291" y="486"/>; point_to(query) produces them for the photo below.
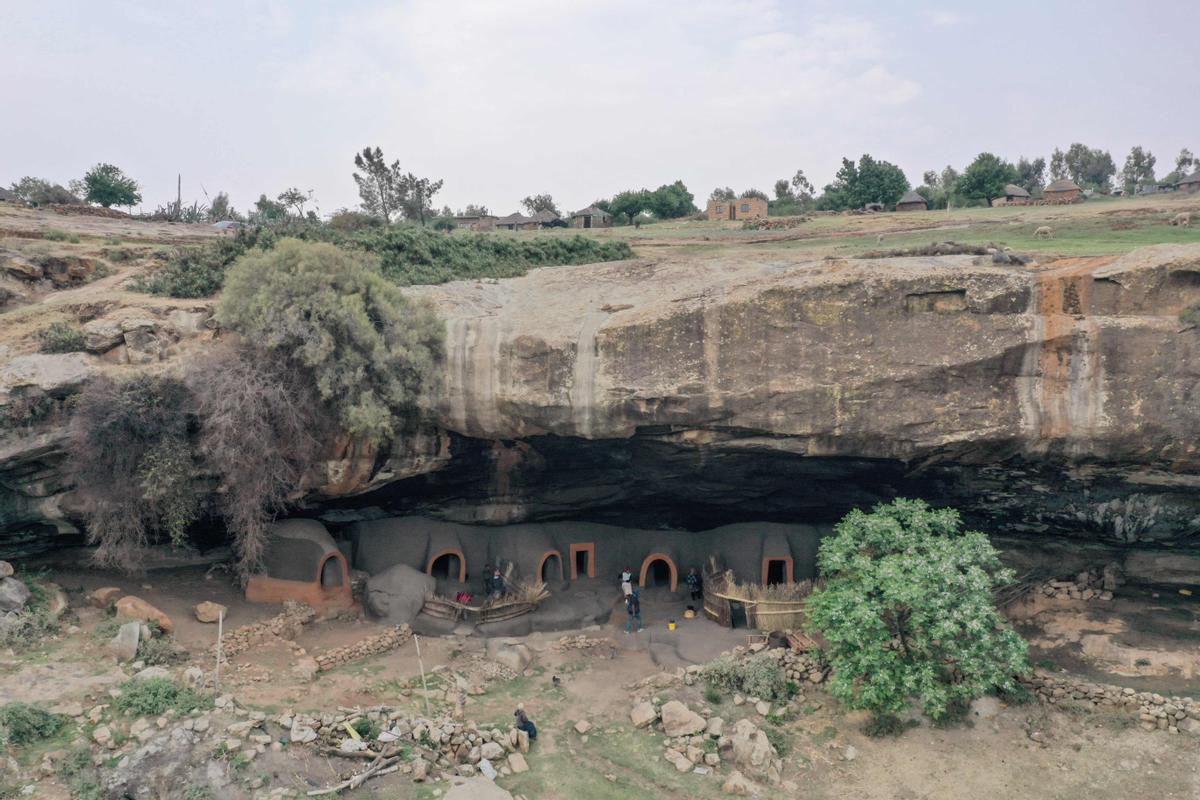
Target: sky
<point x="579" y="99"/>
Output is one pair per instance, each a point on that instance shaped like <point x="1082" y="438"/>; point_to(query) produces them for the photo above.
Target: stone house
<point x="742" y="208"/>
<point x="1013" y="196"/>
<point x="591" y="217"/>
<point x="476" y="223"/>
<point x="1063" y="190"/>
<point x="516" y="222"/>
<point x="911" y="201"/>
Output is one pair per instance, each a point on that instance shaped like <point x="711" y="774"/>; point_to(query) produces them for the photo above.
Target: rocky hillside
<point x="1058" y="397"/>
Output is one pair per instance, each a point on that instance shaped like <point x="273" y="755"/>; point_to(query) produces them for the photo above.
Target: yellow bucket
<point x="671" y="625"/>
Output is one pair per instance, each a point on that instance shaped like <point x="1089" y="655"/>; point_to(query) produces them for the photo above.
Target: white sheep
<point x="1183" y="219"/>
<point x="1044" y="232"/>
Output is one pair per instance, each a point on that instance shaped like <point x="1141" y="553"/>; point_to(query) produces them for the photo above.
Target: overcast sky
<point x="579" y="99"/>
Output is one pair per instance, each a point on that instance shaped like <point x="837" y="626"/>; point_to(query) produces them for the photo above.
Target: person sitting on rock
<point x="524" y="723"/>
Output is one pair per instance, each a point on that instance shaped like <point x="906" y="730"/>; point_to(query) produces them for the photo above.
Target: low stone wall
<point x="1097" y="583"/>
<point x="1155" y="712"/>
<point x="365" y="648"/>
<point x="286" y="625"/>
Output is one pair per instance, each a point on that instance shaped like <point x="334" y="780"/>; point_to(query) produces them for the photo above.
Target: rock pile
<point x="286" y="625"/>
<point x="364" y="648"/>
<point x="14" y="594"/>
<point x="1091" y="584"/>
<point x="1155" y="712"/>
<point x="580" y="642"/>
<point x="774" y="223"/>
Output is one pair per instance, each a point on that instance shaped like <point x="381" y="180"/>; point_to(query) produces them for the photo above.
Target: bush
<point x="25" y="629"/>
<point x="60" y="337"/>
<point x="712" y="695"/>
<point x="261" y="424"/>
<point x="907" y="610"/>
<point x="160" y="651"/>
<point x="346" y="220"/>
<point x="878" y="726"/>
<point x="760" y="676"/>
<point x="153" y="696"/>
<point x="78" y="772"/>
<point x="1190" y="316"/>
<point x="200" y="271"/>
<point x="59" y="235"/>
<point x="368" y="347"/>
<point x="130" y="456"/>
<point x="21" y="724"/>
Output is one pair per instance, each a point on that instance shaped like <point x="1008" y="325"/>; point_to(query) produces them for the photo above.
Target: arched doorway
<point x="551" y="567"/>
<point x="659" y="570"/>
<point x="448" y="565"/>
<point x="331" y="572"/>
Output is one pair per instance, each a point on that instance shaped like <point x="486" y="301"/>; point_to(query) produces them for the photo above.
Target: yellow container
<point x="671" y="625"/>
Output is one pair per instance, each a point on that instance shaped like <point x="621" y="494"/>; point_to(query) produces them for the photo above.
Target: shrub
<point x="346" y="220"/>
<point x="368" y="347"/>
<point x="907" y="610"/>
<point x="59" y="235"/>
<point x="78" y="772"/>
<point x="21" y="724"/>
<point x="161" y="651"/>
<point x="260" y="426"/>
<point x="1190" y="316"/>
<point x="444" y="224"/>
<point x="60" y="337"/>
<point x="131" y="459"/>
<point x="200" y="271"/>
<point x="712" y="695"/>
<point x="878" y="726"/>
<point x="760" y="676"/>
<point x="153" y="696"/>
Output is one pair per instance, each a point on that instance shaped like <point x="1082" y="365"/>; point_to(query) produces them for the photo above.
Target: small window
<point x="720" y="209"/>
<point x="745" y="207"/>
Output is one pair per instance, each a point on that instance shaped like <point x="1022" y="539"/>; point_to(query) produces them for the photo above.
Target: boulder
<point x="306" y="668"/>
<point x="510" y="653"/>
<point x="100" y="335"/>
<point x="679" y="720"/>
<point x="133" y="607"/>
<point x="56" y="600"/>
<point x="152" y="673"/>
<point x="53" y="373"/>
<point x="396" y="594"/>
<point x="517" y="763"/>
<point x="104" y="597"/>
<point x="643" y="714"/>
<point x="209" y="611"/>
<point x="6" y="569"/>
<point x="14" y="594"/>
<point x="476" y="788"/>
<point x="750" y="748"/>
<point x="739" y="785"/>
<point x="142" y="346"/>
<point x="491" y="751"/>
<point x="125" y="644"/>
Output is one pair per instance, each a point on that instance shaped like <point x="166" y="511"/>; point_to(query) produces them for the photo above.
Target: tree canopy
<point x="670" y="201"/>
<point x="1138" y="169"/>
<point x="868" y="181"/>
<point x="724" y="194"/>
<point x="907" y="611"/>
<point x="107" y="185"/>
<point x="38" y="192"/>
<point x="629" y="203"/>
<point x="369" y="347"/>
<point x="1088" y="167"/>
<point x="986" y="177"/>
<point x="541" y="202"/>
<point x="1031" y="174"/>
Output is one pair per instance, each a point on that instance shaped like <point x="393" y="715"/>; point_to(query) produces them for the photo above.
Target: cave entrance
<point x="660" y="574"/>
<point x="777" y="570"/>
<point x="331" y="572"/>
<point x="583" y="560"/>
<point x="552" y="568"/>
<point x="658" y="570"/>
<point x="449" y="565"/>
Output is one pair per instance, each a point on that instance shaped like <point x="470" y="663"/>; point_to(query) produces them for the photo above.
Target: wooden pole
<point x="220" y="638"/>
<point x="421" y="664"/>
<point x="179" y="197"/>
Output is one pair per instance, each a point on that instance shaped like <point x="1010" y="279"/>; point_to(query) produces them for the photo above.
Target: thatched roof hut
<point x="912" y="201"/>
<point x="1063" y="190"/>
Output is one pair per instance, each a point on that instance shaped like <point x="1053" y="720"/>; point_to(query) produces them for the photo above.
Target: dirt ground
<point x="1094" y="755"/>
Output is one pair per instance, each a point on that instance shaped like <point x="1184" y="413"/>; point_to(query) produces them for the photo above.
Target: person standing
<point x="487" y="581"/>
<point x="633" y="606"/>
<point x="626" y="582"/>
<point x="524" y="723"/>
<point x="497" y="584"/>
<point x="695" y="584"/>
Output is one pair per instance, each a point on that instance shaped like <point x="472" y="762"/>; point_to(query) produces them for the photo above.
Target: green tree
<point x="541" y="202"/>
<point x="1058" y="165"/>
<point x="802" y="187"/>
<point x="671" y="201"/>
<point x="475" y="211"/>
<point x="108" y="186"/>
<point x="629" y="203"/>
<point x="986" y="178"/>
<point x="868" y="181"/>
<point x="724" y="194"/>
<point x="417" y="197"/>
<point x="295" y="199"/>
<point x="1184" y="162"/>
<point x="783" y="190"/>
<point x="222" y="209"/>
<point x="369" y="348"/>
<point x="1031" y="175"/>
<point x="38" y="192"/>
<point x="381" y="185"/>
<point x="752" y="192"/>
<point x="1091" y="168"/>
<point x="267" y="211"/>
<point x="907" y="611"/>
<point x="1138" y="169"/>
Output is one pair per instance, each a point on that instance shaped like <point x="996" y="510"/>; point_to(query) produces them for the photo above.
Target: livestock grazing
<point x="1183" y="219"/>
<point x="1043" y="232"/>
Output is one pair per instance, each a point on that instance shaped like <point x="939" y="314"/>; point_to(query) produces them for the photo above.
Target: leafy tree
<point x="221" y="209"/>
<point x="761" y="195"/>
<point x="986" y="177"/>
<point x="380" y="186"/>
<point x="907" y="611"/>
<point x="108" y="186"/>
<point x="802" y="187"/>
<point x="1031" y="175"/>
<point x="267" y="211"/>
<point x="541" y="202"/>
<point x="475" y="211"/>
<point x="370" y="348"/>
<point x="629" y="203"/>
<point x="724" y="194"/>
<point x="1138" y="169"/>
<point x="1090" y="168"/>
<point x="38" y="192"/>
<point x="1058" y="165"/>
<point x="671" y="201"/>
<point x="1184" y="162"/>
<point x="783" y="189"/>
<point x="868" y="181"/>
<point x="417" y="196"/>
<point x="295" y="199"/>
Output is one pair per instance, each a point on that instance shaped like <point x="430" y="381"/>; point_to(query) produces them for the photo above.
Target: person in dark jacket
<point x="633" y="606"/>
<point x="695" y="584"/>
<point x="524" y="723"/>
<point x="487" y="581"/>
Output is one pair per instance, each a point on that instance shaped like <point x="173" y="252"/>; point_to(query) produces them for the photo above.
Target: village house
<point x="1190" y="184"/>
<point x="591" y="217"/>
<point x="545" y="219"/>
<point x="742" y="208"/>
<point x="484" y="222"/>
<point x="912" y="201"/>
<point x="516" y="222"/>
<point x="1013" y="196"/>
<point x="1063" y="190"/>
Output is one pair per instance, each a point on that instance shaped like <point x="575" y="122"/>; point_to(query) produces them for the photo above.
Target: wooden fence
<point x="444" y="608"/>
